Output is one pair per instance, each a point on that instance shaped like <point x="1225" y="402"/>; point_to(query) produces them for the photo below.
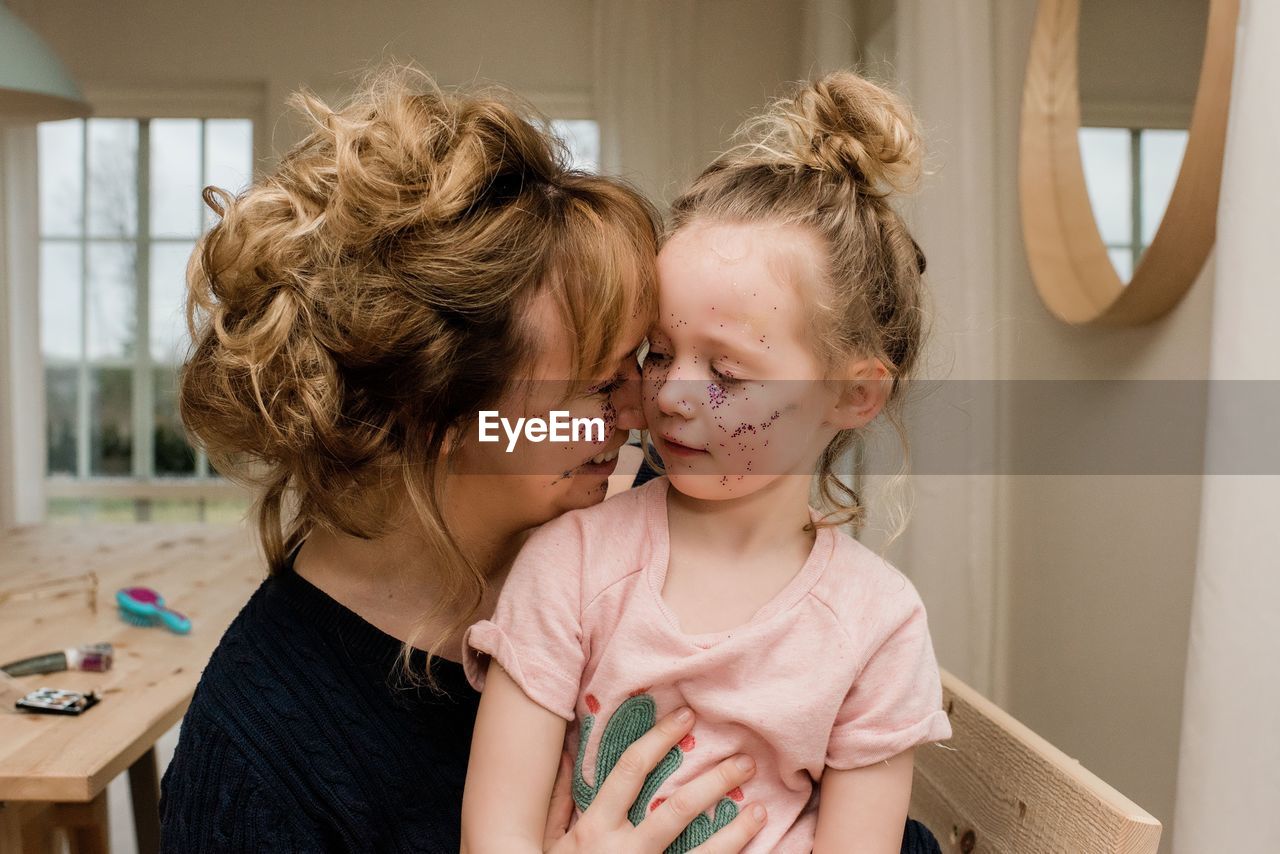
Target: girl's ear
<point x="864" y="390"/>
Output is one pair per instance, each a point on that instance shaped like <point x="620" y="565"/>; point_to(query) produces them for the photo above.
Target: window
<point x="120" y="211"/>
<point x="582" y="136"/>
<point x="1130" y="173"/>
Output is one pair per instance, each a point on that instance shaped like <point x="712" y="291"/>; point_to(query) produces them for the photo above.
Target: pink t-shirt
<point x="836" y="671"/>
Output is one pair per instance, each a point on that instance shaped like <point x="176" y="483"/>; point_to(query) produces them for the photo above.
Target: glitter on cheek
<point x="765" y="425"/>
<point x="610" y="415"/>
<point x="716" y="395"/>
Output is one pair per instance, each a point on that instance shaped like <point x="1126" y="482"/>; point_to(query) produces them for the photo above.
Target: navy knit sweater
<point x="298" y="739"/>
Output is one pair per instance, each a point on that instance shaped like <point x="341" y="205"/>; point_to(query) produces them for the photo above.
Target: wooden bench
<point x="998" y="787"/>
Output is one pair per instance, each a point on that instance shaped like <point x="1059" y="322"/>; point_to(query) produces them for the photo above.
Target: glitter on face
<point x="730" y="305"/>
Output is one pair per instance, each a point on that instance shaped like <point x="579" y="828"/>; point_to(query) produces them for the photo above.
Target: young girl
<point x="790" y="305"/>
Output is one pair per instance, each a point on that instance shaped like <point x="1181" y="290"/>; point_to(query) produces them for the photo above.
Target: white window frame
<point x="143" y="105"/>
<point x="26" y="430"/>
<point x="1135" y="117"/>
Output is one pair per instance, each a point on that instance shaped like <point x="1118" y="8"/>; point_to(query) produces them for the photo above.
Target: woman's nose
<point x="627" y="402"/>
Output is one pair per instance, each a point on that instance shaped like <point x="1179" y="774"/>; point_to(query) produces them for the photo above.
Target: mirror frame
<point x="1068" y="258"/>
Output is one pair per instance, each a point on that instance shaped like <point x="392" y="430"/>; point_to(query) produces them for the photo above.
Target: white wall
<point x="1156" y="72"/>
<point x="1229" y="779"/>
<point x="653" y="62"/>
<point x="1100" y="569"/>
<point x="1091" y="576"/>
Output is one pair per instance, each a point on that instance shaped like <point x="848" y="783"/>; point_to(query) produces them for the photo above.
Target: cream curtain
<point x="21" y="379"/>
<point x="1229" y="767"/>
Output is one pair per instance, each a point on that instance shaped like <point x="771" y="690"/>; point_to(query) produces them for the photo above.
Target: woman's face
<point x="733" y="393"/>
<point x="535" y="481"/>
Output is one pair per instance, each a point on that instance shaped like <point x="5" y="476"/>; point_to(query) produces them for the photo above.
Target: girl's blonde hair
<point x="355" y="308"/>
<point x="827" y="158"/>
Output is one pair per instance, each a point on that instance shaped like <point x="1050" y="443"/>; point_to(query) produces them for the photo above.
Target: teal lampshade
<point x="34" y="86"/>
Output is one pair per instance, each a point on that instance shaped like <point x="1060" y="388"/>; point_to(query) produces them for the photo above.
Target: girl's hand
<point x="604" y="828"/>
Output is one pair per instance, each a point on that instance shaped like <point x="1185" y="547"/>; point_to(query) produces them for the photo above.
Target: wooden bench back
<point x="998" y="787"/>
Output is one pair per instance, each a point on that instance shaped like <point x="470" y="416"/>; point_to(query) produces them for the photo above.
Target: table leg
<point x="10" y="827"/>
<point x="144" y="787"/>
<point x="38" y="833"/>
<point x="88" y="826"/>
<point x="27" y="827"/>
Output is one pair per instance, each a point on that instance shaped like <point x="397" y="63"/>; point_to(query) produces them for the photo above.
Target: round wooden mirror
<point x="1077" y="272"/>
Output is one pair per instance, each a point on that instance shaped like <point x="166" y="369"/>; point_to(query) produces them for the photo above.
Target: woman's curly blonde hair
<point x="360" y="304"/>
<point x="827" y="158"/>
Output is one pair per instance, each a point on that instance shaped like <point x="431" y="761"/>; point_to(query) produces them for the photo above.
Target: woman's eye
<point x="608" y="388"/>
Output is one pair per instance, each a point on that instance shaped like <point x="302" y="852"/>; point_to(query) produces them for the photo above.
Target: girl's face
<point x="733" y="392"/>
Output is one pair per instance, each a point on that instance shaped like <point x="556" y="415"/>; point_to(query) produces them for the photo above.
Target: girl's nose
<point x="676" y="396"/>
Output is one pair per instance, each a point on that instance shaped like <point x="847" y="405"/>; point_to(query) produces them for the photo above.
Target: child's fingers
<point x="735" y="835"/>
<point x="623" y="784"/>
<point x="695" y="797"/>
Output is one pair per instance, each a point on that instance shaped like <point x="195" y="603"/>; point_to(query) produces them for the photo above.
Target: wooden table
<point x="54" y="770"/>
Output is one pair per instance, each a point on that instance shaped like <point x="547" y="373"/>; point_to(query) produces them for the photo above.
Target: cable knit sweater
<point x="298" y="739"/>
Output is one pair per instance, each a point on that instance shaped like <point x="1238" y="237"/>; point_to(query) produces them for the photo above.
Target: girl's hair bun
<point x="841" y="124"/>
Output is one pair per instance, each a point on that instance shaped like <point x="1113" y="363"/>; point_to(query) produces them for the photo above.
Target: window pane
<point x="168" y="291"/>
<point x="60" y="418"/>
<point x="64" y="510"/>
<point x="583" y="138"/>
<point x="60" y="152"/>
<point x="110" y="421"/>
<point x="175" y="510"/>
<point x="1122" y="260"/>
<point x="1161" y="159"/>
<point x="60" y="301"/>
<point x="112" y="325"/>
<point x="172" y="454"/>
<point x="226" y="510"/>
<point x="175" y="177"/>
<point x="81" y="510"/>
<point x="113" y="177"/>
<point x="228" y="156"/>
<point x="1108" y="175"/>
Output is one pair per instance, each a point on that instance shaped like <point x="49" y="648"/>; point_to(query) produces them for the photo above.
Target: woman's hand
<point x="604" y="828"/>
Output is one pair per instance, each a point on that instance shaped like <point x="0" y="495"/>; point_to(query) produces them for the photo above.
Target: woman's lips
<point x="602" y="463"/>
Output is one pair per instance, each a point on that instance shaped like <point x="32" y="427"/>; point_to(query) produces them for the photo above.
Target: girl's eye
<point x="724" y="379"/>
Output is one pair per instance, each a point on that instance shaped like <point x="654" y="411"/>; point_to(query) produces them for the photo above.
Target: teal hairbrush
<point x="142" y="606"/>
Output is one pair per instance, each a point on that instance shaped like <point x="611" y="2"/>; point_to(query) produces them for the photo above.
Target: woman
<point x="418" y="257"/>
